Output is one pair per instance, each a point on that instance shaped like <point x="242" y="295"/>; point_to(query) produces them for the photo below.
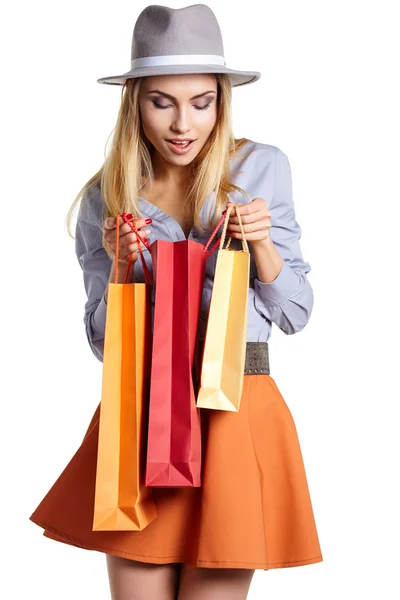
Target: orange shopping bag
<point x="122" y="501"/>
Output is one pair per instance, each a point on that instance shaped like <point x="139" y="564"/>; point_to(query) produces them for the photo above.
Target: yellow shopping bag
<point x="122" y="501"/>
<point x="224" y="353"/>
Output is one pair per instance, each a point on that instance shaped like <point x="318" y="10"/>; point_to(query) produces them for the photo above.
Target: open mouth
<point x="180" y="144"/>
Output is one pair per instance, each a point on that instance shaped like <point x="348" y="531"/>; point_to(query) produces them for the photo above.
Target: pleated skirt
<point x="253" y="509"/>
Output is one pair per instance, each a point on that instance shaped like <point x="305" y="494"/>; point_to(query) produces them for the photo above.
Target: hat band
<point x="178" y="59"/>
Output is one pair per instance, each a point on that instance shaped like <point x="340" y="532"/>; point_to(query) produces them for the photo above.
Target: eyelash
<point x="196" y="107"/>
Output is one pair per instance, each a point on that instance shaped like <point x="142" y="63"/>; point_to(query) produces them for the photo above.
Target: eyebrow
<point x="173" y="97"/>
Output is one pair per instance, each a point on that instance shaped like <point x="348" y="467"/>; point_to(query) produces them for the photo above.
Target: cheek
<point x="154" y="122"/>
<point x="206" y="121"/>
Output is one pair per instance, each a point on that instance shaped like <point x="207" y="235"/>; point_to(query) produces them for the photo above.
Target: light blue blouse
<point x="287" y="301"/>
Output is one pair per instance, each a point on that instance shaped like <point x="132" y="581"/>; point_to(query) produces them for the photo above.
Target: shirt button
<point x="203" y="316"/>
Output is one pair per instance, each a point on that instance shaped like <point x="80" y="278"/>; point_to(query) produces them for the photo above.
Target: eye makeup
<point x="194" y="106"/>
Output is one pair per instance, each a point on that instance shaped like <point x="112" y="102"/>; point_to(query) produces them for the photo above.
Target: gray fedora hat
<point x="174" y="41"/>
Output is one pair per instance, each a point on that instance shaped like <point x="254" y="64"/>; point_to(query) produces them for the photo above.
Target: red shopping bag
<point x="174" y="431"/>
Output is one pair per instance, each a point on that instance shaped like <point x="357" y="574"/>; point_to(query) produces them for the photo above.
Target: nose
<point x="181" y="120"/>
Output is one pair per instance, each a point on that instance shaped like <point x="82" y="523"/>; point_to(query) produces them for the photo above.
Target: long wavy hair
<point x="127" y="167"/>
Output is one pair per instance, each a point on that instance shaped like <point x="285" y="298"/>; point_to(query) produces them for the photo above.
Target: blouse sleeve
<point x="96" y="266"/>
<point x="289" y="299"/>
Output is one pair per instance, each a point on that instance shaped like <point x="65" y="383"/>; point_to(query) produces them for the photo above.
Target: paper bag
<point x="174" y="433"/>
<point x="224" y="352"/>
<point x="122" y="501"/>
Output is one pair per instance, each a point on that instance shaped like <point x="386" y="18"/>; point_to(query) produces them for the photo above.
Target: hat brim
<point x="236" y="77"/>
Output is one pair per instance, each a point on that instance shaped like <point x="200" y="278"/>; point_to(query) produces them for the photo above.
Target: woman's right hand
<point x="128" y="242"/>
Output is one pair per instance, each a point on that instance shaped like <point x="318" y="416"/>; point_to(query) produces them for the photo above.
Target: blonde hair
<point x="128" y="167"/>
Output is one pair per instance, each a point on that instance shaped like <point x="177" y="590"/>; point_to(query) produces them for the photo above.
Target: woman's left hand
<point x="255" y="218"/>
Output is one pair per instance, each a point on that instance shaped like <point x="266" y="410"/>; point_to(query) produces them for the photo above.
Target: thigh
<point x="197" y="583"/>
<point x="134" y="580"/>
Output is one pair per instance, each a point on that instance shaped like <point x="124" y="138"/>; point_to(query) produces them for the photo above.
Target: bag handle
<point x="117" y="254"/>
<point x="212" y="236"/>
<point x="145" y="242"/>
<point x="147" y="275"/>
<point x="224" y="220"/>
<point x="244" y="241"/>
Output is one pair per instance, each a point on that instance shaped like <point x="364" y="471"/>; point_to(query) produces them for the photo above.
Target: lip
<point x="178" y="149"/>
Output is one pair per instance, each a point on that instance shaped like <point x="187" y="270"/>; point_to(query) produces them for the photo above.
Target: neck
<point x="172" y="175"/>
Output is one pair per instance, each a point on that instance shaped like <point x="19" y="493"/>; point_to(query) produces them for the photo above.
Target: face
<point x="178" y="106"/>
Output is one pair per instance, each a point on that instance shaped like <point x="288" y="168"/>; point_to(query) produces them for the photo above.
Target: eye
<point x="194" y="106"/>
<point x="158" y="105"/>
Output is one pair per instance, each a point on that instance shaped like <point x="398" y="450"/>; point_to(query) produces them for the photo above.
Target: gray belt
<point x="257" y="358"/>
<point x="256" y="362"/>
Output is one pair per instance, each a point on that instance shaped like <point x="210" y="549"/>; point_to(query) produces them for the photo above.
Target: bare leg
<point x="134" y="580"/>
<point x="214" y="584"/>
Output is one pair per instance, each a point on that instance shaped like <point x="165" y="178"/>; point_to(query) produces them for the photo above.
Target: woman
<point x="253" y="509"/>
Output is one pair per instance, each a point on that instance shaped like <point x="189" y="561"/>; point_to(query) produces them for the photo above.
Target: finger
<point x="251" y="237"/>
<point x="127" y="239"/>
<point x="133" y="248"/>
<point x="251" y="212"/>
<point x="131" y="237"/>
<point x="124" y="232"/>
<point x="126" y="229"/>
<point x="253" y="208"/>
<point x="252" y="217"/>
<point x="253" y="205"/>
<point x="139" y="223"/>
<point x="111" y="222"/>
<point x="130" y="249"/>
<point x="251" y="227"/>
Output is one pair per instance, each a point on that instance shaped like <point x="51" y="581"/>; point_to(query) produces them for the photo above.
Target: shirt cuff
<point x="99" y="315"/>
<point x="281" y="289"/>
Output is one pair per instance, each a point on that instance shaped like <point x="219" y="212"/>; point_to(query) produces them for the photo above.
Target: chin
<point x="180" y="160"/>
<point x="176" y="159"/>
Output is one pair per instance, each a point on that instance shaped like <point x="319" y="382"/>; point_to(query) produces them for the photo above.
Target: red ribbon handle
<point x="145" y="242"/>
<point x="212" y="236"/>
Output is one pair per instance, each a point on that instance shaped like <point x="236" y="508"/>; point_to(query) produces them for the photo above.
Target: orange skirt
<point x="253" y="509"/>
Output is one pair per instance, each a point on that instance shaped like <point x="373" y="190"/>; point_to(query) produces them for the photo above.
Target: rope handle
<point x="227" y="215"/>
<point x="224" y="220"/>
<point x="144" y="241"/>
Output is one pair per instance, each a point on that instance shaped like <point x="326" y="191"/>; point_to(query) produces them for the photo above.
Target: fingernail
<point x="148" y="221"/>
<point x="130" y="216"/>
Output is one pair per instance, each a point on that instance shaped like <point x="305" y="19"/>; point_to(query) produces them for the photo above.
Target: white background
<point x="328" y="98"/>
